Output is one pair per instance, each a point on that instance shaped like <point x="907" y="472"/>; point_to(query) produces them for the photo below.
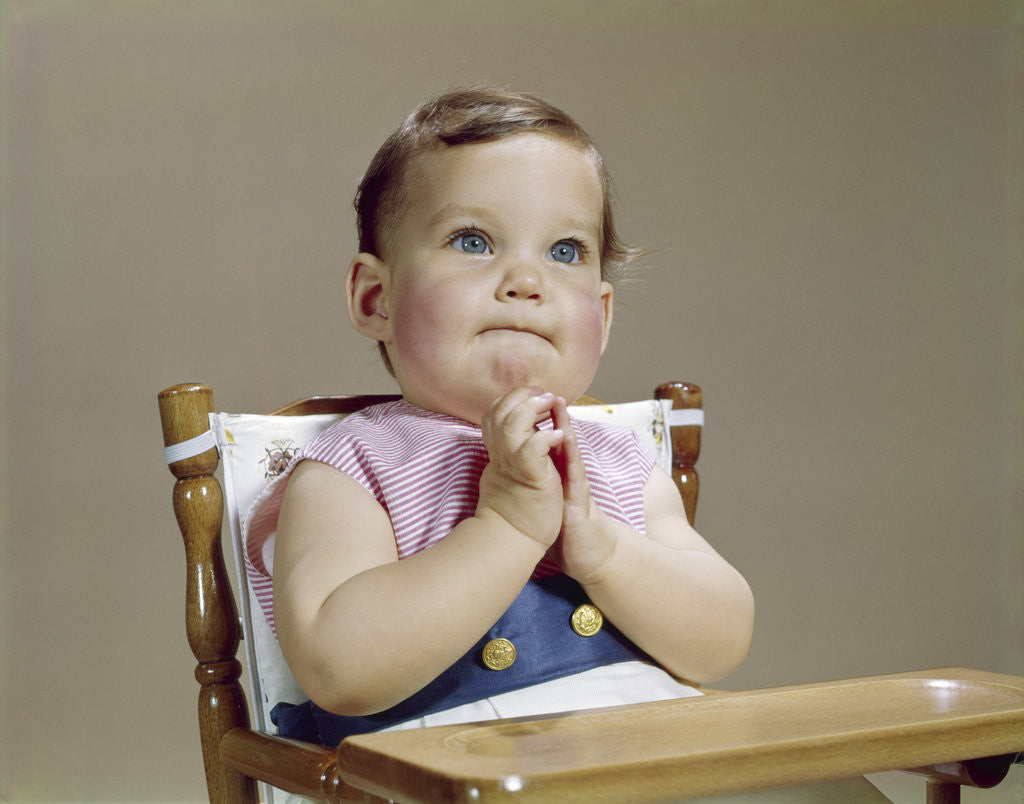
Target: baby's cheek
<point x="591" y="331"/>
<point x="417" y="326"/>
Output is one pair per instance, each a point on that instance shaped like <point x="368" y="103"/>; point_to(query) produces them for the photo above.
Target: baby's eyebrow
<point x="584" y="226"/>
<point x="455" y="211"/>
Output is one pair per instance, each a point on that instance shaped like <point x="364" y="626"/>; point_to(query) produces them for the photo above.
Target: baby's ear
<point x="366" y="293"/>
<point x="607" y="299"/>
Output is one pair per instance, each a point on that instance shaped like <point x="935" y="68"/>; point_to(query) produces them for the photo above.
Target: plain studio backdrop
<point x="834" y="193"/>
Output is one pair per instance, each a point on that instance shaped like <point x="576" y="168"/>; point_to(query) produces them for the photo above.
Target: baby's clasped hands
<point x="536" y="481"/>
<point x="521" y="482"/>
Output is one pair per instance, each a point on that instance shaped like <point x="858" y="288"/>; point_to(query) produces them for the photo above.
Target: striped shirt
<point x="424" y="469"/>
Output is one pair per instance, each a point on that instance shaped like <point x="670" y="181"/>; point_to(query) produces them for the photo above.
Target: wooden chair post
<point x="211" y="619"/>
<point x="685" y="440"/>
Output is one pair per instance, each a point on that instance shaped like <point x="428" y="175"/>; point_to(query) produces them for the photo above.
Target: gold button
<point x="587" y="620"/>
<point x="499" y="654"/>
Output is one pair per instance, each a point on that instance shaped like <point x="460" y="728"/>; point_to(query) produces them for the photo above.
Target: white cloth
<point x="611" y="685"/>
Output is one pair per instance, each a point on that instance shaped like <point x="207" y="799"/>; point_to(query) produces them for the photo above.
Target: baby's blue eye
<point x="565" y="251"/>
<point x="470" y="243"/>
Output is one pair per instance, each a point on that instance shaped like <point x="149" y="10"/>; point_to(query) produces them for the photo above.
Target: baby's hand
<point x="586" y="541"/>
<point x="521" y="483"/>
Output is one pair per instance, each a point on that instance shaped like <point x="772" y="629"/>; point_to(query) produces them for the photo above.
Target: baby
<point x="470" y="551"/>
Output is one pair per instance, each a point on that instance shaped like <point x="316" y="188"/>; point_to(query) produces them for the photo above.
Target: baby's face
<point x="495" y="275"/>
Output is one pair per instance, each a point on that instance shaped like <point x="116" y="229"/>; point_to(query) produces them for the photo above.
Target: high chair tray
<point x="722" y="742"/>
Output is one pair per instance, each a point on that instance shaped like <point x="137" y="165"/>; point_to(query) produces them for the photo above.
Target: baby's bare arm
<point x="362" y="630"/>
<point x="668" y="591"/>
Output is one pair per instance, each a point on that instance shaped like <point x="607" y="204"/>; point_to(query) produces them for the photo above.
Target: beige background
<point x="835" y="191"/>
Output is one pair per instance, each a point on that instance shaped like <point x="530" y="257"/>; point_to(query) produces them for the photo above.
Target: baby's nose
<point x="522" y="282"/>
<point x="513" y="293"/>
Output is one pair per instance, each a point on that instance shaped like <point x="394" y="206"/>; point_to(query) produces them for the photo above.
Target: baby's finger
<point x="494" y="424"/>
<point x="530" y="412"/>
<point x="571" y="467"/>
<point x="533" y="457"/>
<point x="518" y="416"/>
<point x="560" y="415"/>
<point x="501" y="406"/>
<point x="508" y="410"/>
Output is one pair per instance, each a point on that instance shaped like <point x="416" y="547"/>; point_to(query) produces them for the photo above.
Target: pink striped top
<point x="424" y="468"/>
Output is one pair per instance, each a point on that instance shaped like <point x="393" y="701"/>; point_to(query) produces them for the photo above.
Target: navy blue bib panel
<point x="538" y="625"/>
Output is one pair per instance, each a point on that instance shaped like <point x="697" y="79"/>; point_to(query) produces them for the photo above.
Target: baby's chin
<point x="513" y="370"/>
<point x="516" y="373"/>
<point x="470" y="396"/>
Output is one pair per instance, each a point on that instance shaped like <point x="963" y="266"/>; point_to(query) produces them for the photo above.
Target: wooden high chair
<point x="953" y="725"/>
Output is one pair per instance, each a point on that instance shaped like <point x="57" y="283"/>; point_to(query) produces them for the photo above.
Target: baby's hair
<point x="462" y="117"/>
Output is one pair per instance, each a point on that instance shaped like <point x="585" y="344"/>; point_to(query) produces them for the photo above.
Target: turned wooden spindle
<point x="685" y="441"/>
<point x="211" y="619"/>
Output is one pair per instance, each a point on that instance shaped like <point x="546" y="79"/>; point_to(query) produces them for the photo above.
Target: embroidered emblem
<point x="278" y="457"/>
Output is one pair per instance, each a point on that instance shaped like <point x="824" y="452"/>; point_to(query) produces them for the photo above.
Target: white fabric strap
<point x="688" y="416"/>
<point x="189" y="449"/>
